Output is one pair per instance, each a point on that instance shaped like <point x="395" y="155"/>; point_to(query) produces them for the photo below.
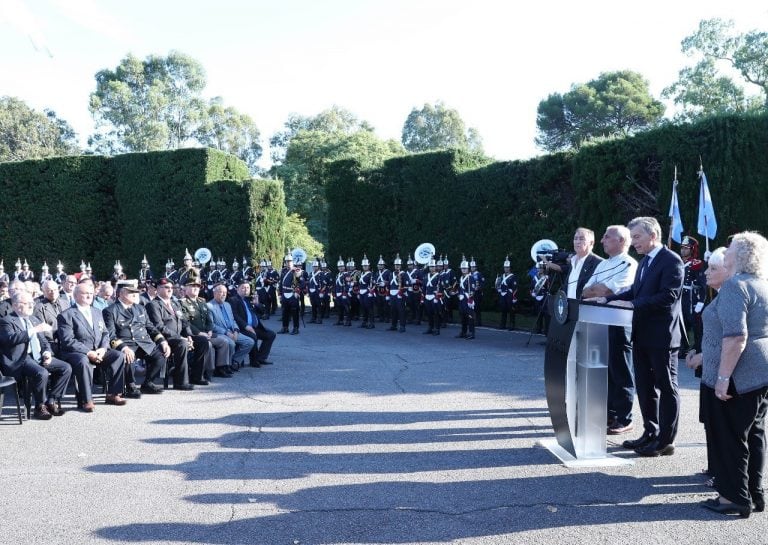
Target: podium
<point x="576" y="379"/>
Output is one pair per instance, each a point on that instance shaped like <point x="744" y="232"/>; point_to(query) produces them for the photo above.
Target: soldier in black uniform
<point x="352" y="290"/>
<point x="341" y="294"/>
<point x="367" y="293"/>
<point x="433" y="298"/>
<point x="145" y="273"/>
<point x="382" y="277"/>
<point x="272" y="280"/>
<point x="117" y="274"/>
<point x="415" y="280"/>
<point x="466" y="295"/>
<point x="131" y="332"/>
<point x="398" y="292"/>
<point x="506" y="286"/>
<point x="315" y="286"/>
<point x="291" y="290"/>
<point x="329" y="280"/>
<point x="450" y="286"/>
<point x="479" y="280"/>
<point x="182" y="275"/>
<point x="25" y="275"/>
<point x="170" y="269"/>
<point x="60" y="274"/>
<point x="694" y="295"/>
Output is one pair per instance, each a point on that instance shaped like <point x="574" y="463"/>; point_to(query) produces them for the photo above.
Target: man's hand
<point x="130" y="355"/>
<point x="250" y="329"/>
<point x="190" y="343"/>
<point x="93" y="356"/>
<point x="46" y="356"/>
<point x="42" y="327"/>
<point x="693" y="360"/>
<point x="623" y="304"/>
<point x="596" y="290"/>
<point x="166" y="348"/>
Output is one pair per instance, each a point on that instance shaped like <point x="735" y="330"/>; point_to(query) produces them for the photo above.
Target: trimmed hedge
<point x="461" y="203"/>
<point x="101" y="209"/>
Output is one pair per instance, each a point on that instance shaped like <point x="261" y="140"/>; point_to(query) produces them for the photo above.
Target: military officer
<point x="117" y="273"/>
<point x="131" y="332"/>
<point x="316" y="285"/>
<point x="450" y="289"/>
<point x="291" y="290"/>
<point x="341" y="294"/>
<point x="366" y="292"/>
<point x="415" y="280"/>
<point x="328" y="279"/>
<point x="272" y="280"/>
<point x="145" y="273"/>
<point x="25" y="275"/>
<point x="3" y="274"/>
<point x="398" y="292"/>
<point x="170" y="269"/>
<point x="45" y="275"/>
<point x="237" y="275"/>
<point x="694" y="295"/>
<point x="479" y="285"/>
<point x="466" y="296"/>
<point x="433" y="298"/>
<point x="182" y="275"/>
<point x="60" y="274"/>
<point x="382" y="278"/>
<point x="506" y="286"/>
<point x="352" y="289"/>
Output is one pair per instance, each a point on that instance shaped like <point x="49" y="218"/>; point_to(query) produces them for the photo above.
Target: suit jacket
<point x="587" y="270"/>
<point x="656" y="299"/>
<point x="76" y="336"/>
<point x="219" y="323"/>
<point x="14" y="342"/>
<point x="170" y="323"/>
<point x="197" y="314"/>
<point x="47" y="311"/>
<point x="130" y="327"/>
<point x="238" y="311"/>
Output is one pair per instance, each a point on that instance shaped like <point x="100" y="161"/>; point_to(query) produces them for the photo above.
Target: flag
<point x="707" y="222"/>
<point x="676" y="223"/>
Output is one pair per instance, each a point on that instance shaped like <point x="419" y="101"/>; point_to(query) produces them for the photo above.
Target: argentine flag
<point x="676" y="226"/>
<point x="707" y="223"/>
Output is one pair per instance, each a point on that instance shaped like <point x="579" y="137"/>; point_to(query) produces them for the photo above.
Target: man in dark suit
<point x="247" y="317"/>
<point x="84" y="341"/>
<point x="47" y="307"/>
<point x="131" y="332"/>
<point x="25" y="352"/>
<point x="655" y="298"/>
<point x="166" y="315"/>
<point x="581" y="265"/>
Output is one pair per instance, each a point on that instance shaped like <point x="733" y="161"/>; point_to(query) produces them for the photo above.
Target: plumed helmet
<point x="45" y="266"/>
<point x="410" y="260"/>
<point x="235" y="264"/>
<point x="365" y="262"/>
<point x="60" y="266"/>
<point x="82" y="265"/>
<point x="245" y="263"/>
<point x="691" y="243"/>
<point x="351" y="263"/>
<point x="187" y="255"/>
<point x="397" y="260"/>
<point x="169" y="264"/>
<point x="381" y="260"/>
<point x="440" y="261"/>
<point x="445" y="260"/>
<point x="340" y="262"/>
<point x="506" y="262"/>
<point x="432" y="262"/>
<point x="464" y="264"/>
<point x="316" y="262"/>
<point x="144" y="261"/>
<point x="323" y="264"/>
<point x="25" y="265"/>
<point x="263" y="263"/>
<point x="2" y="267"/>
<point x="118" y="266"/>
<point x="472" y="262"/>
<point x="289" y="256"/>
<point x="18" y="263"/>
<point x="269" y="262"/>
<point x="88" y="267"/>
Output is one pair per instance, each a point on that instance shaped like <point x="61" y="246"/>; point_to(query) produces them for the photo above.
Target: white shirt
<point x="651" y="255"/>
<point x="86" y="311"/>
<point x="617" y="273"/>
<point x="576" y="265"/>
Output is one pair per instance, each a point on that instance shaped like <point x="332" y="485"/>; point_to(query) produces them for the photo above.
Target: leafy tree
<point x="304" y="168"/>
<point x="616" y="103"/>
<point x="438" y="127"/>
<point x="226" y="129"/>
<point x="27" y="134"/>
<point x="297" y="236"/>
<point x="702" y="89"/>
<point x="333" y="120"/>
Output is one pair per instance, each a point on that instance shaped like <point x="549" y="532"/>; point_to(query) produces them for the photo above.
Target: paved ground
<point x="353" y="436"/>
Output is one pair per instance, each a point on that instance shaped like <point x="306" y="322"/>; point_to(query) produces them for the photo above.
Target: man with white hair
<point x="613" y="276"/>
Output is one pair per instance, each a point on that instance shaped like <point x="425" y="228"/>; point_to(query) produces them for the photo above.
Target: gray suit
<point x="223" y="323"/>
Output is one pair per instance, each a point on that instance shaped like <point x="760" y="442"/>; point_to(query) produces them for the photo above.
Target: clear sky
<point x="493" y="61"/>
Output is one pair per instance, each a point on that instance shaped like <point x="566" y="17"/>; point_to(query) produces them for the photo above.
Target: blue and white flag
<point x="676" y="223"/>
<point x="707" y="222"/>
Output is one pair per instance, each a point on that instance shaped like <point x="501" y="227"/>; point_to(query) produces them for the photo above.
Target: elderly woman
<point x="716" y="274"/>
<point x="735" y="377"/>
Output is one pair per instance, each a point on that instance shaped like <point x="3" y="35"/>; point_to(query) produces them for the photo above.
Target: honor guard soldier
<point x="45" y="275"/>
<point x="272" y="281"/>
<point x="316" y="285"/>
<point x="366" y="292"/>
<point x="88" y="273"/>
<point x="259" y="284"/>
<point x="479" y="286"/>
<point x="287" y="263"/>
<point x="450" y="290"/>
<point x="694" y="295"/>
<point x="415" y="281"/>
<point x="382" y="278"/>
<point x="341" y="295"/>
<point x="237" y="276"/>
<point x="248" y="273"/>
<point x="304" y="289"/>
<point x="117" y="273"/>
<point x="17" y="269"/>
<point x="354" y="299"/>
<point x="182" y="275"/>
<point x="170" y="271"/>
<point x="329" y="280"/>
<point x="60" y="274"/>
<point x="398" y="292"/>
<point x="3" y="274"/>
<point x="26" y="275"/>
<point x="145" y="273"/>
<point x="221" y="268"/>
<point x="466" y="296"/>
<point x="506" y="286"/>
<point x="291" y="289"/>
<point x="432" y="298"/>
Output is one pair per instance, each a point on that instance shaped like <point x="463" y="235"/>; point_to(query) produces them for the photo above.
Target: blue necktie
<point x="644" y="267"/>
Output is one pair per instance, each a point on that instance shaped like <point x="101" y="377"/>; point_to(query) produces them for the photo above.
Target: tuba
<point x="203" y="255"/>
<point x="299" y="256"/>
<point x="423" y="253"/>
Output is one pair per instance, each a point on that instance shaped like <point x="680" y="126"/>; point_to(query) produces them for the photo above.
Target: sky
<point x="493" y="61"/>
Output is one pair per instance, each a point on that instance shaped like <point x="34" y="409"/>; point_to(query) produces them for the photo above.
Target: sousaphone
<point x="203" y="255"/>
<point x="423" y="253"/>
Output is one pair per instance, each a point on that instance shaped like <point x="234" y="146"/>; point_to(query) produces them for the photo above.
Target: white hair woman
<point x="735" y="377"/>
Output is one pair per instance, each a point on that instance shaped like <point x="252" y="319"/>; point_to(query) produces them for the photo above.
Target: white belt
<point x="394" y="292"/>
<point x="461" y="297"/>
<point x="288" y="295"/>
<point x="363" y="292"/>
<point x="312" y="290"/>
<point x="429" y="297"/>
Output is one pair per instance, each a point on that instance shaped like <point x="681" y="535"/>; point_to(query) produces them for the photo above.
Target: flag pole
<point x="672" y="217"/>
<point x="701" y="204"/>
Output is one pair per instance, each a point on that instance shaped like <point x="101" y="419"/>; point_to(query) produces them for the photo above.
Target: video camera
<point x="558" y="257"/>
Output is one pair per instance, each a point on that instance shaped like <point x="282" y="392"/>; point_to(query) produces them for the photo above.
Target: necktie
<point x="34" y="342"/>
<point x="644" y="266"/>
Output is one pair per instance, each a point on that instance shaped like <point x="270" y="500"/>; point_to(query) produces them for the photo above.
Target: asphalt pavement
<point x="352" y="436"/>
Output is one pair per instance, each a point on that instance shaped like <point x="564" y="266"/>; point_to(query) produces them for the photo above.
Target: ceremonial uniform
<point x="398" y="292"/>
<point x="316" y="288"/>
<point x="291" y="290"/>
<point x="466" y="295"/>
<point x="450" y="290"/>
<point x="341" y="295"/>
<point x="415" y="280"/>
<point x="694" y="295"/>
<point x="506" y="286"/>
<point x="433" y="295"/>
<point x="367" y="293"/>
<point x="218" y="356"/>
<point x="479" y="281"/>
<point x="382" y="278"/>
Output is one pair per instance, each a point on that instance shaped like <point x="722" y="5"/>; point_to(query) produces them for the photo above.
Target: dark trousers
<point x="397" y="310"/>
<point x="154" y="363"/>
<point x="199" y="357"/>
<point x="179" y="352"/>
<point x="621" y="380"/>
<point x="290" y="312"/>
<point x="467" y="318"/>
<point x="657" y="392"/>
<point x="342" y="308"/>
<point x="260" y="351"/>
<point x="37" y="377"/>
<point x="317" y="312"/>
<point x="113" y="364"/>
<point x="737" y="429"/>
<point x="434" y="308"/>
<point x="366" y="307"/>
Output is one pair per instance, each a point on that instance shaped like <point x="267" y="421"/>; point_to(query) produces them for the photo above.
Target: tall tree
<point x="27" y="134"/>
<point x="226" y="129"/>
<point x="435" y="127"/>
<point x="616" y="103"/>
<point x="704" y="89"/>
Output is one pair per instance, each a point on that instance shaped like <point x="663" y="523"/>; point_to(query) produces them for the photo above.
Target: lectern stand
<point x="576" y="379"/>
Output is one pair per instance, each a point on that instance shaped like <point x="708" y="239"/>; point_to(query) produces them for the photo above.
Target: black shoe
<point x="470" y="337"/>
<point x="339" y="323"/>
<point x="255" y="364"/>
<point x="392" y="328"/>
<point x="727" y="508"/>
<point x="201" y="382"/>
<point x="312" y="321"/>
<point x="461" y="336"/>
<point x="265" y="362"/>
<point x="758" y="503"/>
<point x="641" y="441"/>
<point x="428" y="332"/>
<point x="41" y="413"/>
<point x="371" y="326"/>
<point x="363" y="325"/>
<point x="654" y="449"/>
<point x="151" y="388"/>
<point x="221" y="373"/>
<point x="295" y="332"/>
<point x="132" y="391"/>
<point x="284" y="330"/>
<point x="436" y="332"/>
<point x="402" y="330"/>
<point x="183" y="387"/>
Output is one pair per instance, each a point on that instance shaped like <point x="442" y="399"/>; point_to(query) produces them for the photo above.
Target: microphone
<point x="624" y="263"/>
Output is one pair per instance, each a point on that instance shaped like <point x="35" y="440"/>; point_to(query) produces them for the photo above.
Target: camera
<point x="558" y="257"/>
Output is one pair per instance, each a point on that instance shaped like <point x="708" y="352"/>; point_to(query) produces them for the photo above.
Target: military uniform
<point x="25" y="275"/>
<point x="341" y="294"/>
<point x="451" y="290"/>
<point x="415" y="280"/>
<point x="506" y="286"/>
<point x="44" y="275"/>
<point x="382" y="277"/>
<point x="479" y="280"/>
<point x="145" y="273"/>
<point x="433" y="295"/>
<point x="367" y="293"/>
<point x="316" y="287"/>
<point x="694" y="294"/>
<point x="466" y="297"/>
<point x="291" y="290"/>
<point x="398" y="293"/>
